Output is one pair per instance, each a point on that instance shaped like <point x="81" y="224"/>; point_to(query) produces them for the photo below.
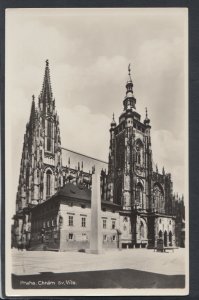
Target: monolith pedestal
<point x="96" y="226"/>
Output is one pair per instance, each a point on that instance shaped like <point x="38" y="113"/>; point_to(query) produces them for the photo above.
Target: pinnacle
<point x="46" y="93"/>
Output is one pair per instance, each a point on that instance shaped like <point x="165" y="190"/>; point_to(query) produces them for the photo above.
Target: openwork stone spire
<point x="46" y="92"/>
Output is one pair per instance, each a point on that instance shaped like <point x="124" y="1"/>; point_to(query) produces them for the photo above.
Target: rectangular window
<point x="104" y="223"/>
<point x="70" y="221"/>
<point x="113" y="224"/>
<point x="48" y="223"/>
<point x="70" y="236"/>
<point x="83" y="222"/>
<point x="104" y="237"/>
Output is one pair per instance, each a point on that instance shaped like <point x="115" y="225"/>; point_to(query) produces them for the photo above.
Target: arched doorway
<point x="170" y="238"/>
<point x="165" y="238"/>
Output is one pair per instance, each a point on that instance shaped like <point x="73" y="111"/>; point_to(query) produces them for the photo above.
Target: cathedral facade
<point x="53" y="203"/>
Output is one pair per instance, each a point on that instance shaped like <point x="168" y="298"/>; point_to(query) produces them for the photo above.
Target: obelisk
<point x="96" y="226"/>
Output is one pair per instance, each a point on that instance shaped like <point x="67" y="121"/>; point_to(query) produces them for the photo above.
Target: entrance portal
<point x="165" y="239"/>
<point x="170" y="238"/>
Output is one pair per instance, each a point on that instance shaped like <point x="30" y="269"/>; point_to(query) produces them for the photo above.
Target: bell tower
<point x="130" y="155"/>
<point x="50" y="137"/>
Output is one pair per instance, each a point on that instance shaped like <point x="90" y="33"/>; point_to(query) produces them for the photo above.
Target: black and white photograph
<point x="96" y="151"/>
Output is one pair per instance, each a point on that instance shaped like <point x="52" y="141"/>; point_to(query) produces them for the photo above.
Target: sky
<point x="89" y="51"/>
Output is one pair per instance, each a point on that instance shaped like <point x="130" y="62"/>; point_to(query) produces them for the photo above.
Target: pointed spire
<point x="46" y="92"/>
<point x="32" y="113"/>
<point x="156" y="168"/>
<point x="33" y="104"/>
<point x="163" y="171"/>
<point x="129" y="72"/>
<point x="113" y="123"/>
<point x="147" y="120"/>
<point x="129" y="84"/>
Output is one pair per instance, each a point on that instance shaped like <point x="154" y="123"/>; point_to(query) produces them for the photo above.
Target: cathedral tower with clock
<point x="144" y="194"/>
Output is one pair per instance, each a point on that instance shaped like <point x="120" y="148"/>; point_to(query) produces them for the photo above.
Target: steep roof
<point x="78" y="192"/>
<point x="75" y="191"/>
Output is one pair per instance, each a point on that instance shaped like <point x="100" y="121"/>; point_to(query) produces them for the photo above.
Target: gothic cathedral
<point x="54" y="192"/>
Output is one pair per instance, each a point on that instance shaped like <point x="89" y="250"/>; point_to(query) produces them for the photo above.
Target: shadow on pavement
<point x="122" y="278"/>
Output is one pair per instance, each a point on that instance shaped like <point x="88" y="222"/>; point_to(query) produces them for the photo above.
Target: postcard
<point x="96" y="152"/>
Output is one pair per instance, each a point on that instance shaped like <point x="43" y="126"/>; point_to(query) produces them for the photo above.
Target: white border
<point x="8" y="185"/>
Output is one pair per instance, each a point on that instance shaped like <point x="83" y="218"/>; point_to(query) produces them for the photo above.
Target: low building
<point x="63" y="222"/>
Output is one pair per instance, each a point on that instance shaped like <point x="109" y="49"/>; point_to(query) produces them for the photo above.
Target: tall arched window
<point x="138" y="157"/>
<point x="139" y="195"/>
<point x="48" y="183"/>
<point x="158" y="198"/>
<point x="139" y="152"/>
<point x="49" y="136"/>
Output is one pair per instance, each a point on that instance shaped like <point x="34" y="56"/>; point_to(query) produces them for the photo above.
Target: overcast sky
<point x="89" y="52"/>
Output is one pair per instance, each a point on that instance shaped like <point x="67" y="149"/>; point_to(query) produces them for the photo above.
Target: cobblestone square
<point x="131" y="267"/>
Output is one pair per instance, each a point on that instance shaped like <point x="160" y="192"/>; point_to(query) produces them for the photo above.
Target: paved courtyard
<point x="34" y="262"/>
<point x="129" y="268"/>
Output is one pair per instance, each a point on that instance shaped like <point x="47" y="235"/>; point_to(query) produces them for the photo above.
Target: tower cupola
<point x="129" y="100"/>
<point x="113" y="123"/>
<point x="129" y="84"/>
